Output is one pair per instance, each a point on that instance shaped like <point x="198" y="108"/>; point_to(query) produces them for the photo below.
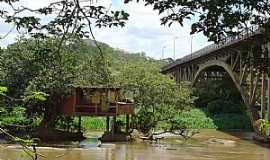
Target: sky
<point x="142" y="33"/>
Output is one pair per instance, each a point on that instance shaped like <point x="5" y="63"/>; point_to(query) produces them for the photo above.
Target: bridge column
<point x="188" y="73"/>
<point x="251" y="70"/>
<point x="180" y="74"/>
<point x="268" y="90"/>
<point x="263" y="87"/>
<point x="263" y="94"/>
<point x="185" y="74"/>
<point x="268" y="104"/>
<point x="176" y="75"/>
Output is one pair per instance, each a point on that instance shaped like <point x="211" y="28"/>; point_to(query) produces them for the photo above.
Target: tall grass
<point x="197" y="119"/>
<point x="193" y="119"/>
<point x="97" y="123"/>
<point x="94" y="123"/>
<point x="202" y="119"/>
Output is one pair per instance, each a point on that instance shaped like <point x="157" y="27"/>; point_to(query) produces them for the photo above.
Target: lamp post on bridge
<point x="174" y="38"/>
<point x="163" y="48"/>
<point x="191" y="44"/>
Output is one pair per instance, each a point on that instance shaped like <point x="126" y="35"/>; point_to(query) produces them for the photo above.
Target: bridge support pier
<point x="263" y="95"/>
<point x="267" y="117"/>
<point x="268" y="104"/>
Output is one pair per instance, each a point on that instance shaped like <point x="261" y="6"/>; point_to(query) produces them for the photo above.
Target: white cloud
<point x="142" y="32"/>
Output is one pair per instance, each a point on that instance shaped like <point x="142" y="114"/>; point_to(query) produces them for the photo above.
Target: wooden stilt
<point x="108" y="124"/>
<point x="127" y="123"/>
<point x="113" y="125"/>
<point x="80" y="124"/>
<point x="68" y="125"/>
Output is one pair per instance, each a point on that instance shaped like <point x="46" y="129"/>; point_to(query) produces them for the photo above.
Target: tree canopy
<point x="215" y="18"/>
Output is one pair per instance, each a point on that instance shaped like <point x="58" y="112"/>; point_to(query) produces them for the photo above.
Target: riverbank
<point x="197" y="118"/>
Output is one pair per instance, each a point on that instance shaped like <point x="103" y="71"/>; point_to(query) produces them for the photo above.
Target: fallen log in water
<point x="260" y="138"/>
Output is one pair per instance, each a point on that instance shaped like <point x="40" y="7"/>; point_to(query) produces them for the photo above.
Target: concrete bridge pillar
<point x="268" y="90"/>
<point x="263" y="94"/>
<point x="263" y="84"/>
<point x="268" y="104"/>
<point x="180" y="75"/>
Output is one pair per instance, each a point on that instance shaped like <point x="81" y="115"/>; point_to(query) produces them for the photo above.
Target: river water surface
<point x="241" y="147"/>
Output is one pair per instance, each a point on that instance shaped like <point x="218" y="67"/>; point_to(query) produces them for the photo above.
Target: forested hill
<point x="118" y="58"/>
<point x="31" y="63"/>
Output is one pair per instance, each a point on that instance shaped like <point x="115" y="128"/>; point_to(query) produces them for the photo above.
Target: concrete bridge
<point x="243" y="59"/>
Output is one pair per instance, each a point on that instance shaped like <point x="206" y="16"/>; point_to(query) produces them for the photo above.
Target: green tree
<point x="33" y="65"/>
<point x="157" y="97"/>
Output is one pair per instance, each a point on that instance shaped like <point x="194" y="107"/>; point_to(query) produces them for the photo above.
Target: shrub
<point x="202" y="119"/>
<point x="14" y="115"/>
<point x="220" y="106"/>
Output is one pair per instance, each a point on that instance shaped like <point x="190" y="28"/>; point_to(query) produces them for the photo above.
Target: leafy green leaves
<point x="3" y="90"/>
<point x="264" y="125"/>
<point x="157" y="97"/>
<point x="65" y="17"/>
<point x="13" y="116"/>
<point x="36" y="96"/>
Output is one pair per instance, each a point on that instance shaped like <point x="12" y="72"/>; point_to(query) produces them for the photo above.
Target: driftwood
<point x="186" y="134"/>
<point x="151" y="138"/>
<point x="260" y="138"/>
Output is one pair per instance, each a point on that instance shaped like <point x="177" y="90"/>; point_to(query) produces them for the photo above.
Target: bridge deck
<point x="228" y="41"/>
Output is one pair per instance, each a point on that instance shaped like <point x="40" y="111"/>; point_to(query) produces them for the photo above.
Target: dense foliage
<point x="221" y="102"/>
<point x="34" y="69"/>
<point x="33" y="65"/>
<point x="157" y="97"/>
<point x="219" y="97"/>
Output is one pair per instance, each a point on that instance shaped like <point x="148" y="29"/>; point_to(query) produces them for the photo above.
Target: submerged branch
<point x="186" y="134"/>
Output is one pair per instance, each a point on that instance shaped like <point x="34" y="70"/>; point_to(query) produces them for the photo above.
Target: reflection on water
<point x="89" y="143"/>
<point x="173" y="149"/>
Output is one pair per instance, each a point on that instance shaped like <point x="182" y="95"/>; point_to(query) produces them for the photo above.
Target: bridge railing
<point x="246" y="33"/>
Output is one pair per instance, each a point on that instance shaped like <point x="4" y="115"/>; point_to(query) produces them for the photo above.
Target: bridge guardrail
<point x="246" y="33"/>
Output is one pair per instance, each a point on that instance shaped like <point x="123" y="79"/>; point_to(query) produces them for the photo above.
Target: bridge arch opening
<point x="224" y="71"/>
<point x="227" y="71"/>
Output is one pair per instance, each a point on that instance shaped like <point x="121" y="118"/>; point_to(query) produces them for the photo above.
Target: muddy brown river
<point x="207" y="145"/>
